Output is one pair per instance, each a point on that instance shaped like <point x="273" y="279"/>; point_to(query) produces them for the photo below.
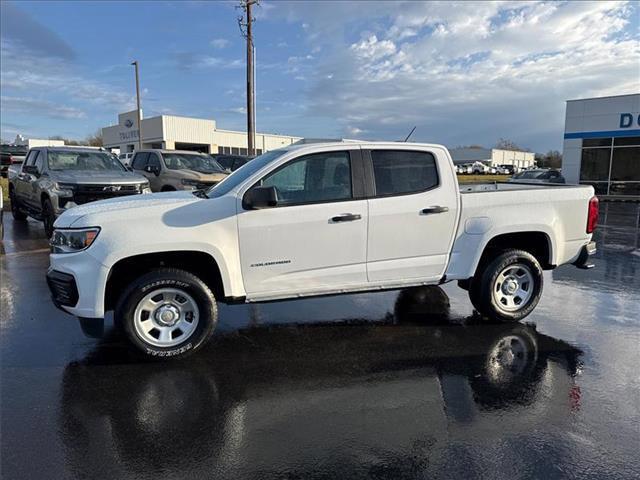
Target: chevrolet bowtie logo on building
<point x="111" y="188"/>
<point x="128" y="123"/>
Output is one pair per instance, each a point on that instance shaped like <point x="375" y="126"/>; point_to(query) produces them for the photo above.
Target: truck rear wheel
<point x="167" y="313"/>
<point x="509" y="287"/>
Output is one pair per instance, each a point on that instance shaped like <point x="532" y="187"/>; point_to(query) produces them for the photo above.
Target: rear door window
<point x="401" y="172"/>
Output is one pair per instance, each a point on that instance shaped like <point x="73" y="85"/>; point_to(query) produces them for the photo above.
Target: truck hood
<point x="92" y="177"/>
<point x="127" y="208"/>
<point x="203" y="176"/>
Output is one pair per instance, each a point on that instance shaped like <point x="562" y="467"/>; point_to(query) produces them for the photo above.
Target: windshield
<point x="244" y="172"/>
<point x="96" y="161"/>
<point x="186" y="161"/>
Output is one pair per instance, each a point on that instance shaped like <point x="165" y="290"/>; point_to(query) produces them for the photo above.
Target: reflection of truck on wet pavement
<point x="313" y="219"/>
<point x="400" y="397"/>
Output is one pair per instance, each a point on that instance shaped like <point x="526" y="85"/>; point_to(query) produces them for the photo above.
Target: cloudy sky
<point x="463" y="73"/>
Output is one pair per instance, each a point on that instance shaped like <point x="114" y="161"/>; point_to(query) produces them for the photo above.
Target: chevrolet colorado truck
<point x="313" y="219"/>
<point x="54" y="179"/>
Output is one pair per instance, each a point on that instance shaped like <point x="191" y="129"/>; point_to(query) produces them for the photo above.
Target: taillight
<point x="592" y="217"/>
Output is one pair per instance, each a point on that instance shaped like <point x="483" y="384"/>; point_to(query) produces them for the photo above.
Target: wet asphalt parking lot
<point x="402" y="384"/>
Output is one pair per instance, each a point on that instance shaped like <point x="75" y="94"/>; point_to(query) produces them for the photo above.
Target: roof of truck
<point x="332" y="143"/>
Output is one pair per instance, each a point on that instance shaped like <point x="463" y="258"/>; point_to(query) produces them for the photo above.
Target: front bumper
<point x="84" y="273"/>
<point x="64" y="291"/>
<point x="583" y="258"/>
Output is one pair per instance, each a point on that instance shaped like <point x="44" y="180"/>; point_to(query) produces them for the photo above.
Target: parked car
<point x="479" y="168"/>
<point x="125" y="158"/>
<point x="169" y="170"/>
<point x="465" y="169"/>
<point x="313" y="219"/>
<point x="506" y="169"/>
<point x="231" y="162"/>
<point x="539" y="176"/>
<point x="53" y="179"/>
<point x="10" y="154"/>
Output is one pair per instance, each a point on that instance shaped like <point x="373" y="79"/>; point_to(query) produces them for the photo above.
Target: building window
<point x="258" y="151"/>
<point x="611" y="165"/>
<point x="597" y="142"/>
<point x="244" y="151"/>
<point x="625" y="164"/>
<point x="235" y="151"/>
<point x="595" y="164"/>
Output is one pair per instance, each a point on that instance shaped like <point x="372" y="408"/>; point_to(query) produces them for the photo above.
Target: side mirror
<point x="152" y="169"/>
<point x="31" y="170"/>
<point x="260" y="197"/>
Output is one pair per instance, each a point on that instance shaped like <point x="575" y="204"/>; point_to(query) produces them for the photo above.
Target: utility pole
<point x="135" y="63"/>
<point x="246" y="29"/>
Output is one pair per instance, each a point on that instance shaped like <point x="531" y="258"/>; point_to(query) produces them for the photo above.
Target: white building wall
<point x="169" y="130"/>
<point x="186" y="130"/>
<point x="493" y="156"/>
<point x="40" y="142"/>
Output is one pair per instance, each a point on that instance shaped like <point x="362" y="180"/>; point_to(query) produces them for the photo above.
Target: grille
<point x="91" y="193"/>
<point x="63" y="288"/>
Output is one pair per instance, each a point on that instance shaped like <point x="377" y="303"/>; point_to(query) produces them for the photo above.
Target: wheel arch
<point x="202" y="264"/>
<point x="537" y="243"/>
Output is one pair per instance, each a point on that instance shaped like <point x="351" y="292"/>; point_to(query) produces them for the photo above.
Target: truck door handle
<point x="346" y="217"/>
<point x="436" y="209"/>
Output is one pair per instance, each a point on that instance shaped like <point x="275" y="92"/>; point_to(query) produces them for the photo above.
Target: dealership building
<point x="184" y="133"/>
<point x="602" y="145"/>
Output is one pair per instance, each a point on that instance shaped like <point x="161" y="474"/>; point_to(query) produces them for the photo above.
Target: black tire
<point x="48" y="217"/>
<point x="17" y="214"/>
<point x="157" y="280"/>
<point x="168" y="188"/>
<point x="497" y="305"/>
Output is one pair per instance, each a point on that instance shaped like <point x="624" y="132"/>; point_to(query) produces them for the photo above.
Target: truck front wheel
<point x="18" y="214"/>
<point x="167" y="313"/>
<point x="509" y="286"/>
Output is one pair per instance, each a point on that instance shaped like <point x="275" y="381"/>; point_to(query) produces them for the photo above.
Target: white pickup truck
<point x="313" y="219"/>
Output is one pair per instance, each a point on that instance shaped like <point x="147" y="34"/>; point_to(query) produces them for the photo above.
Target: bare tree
<point x="505" y="144"/>
<point x="551" y="159"/>
<point x="95" y="140"/>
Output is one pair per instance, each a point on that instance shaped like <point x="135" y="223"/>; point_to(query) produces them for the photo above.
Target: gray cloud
<point x="19" y="27"/>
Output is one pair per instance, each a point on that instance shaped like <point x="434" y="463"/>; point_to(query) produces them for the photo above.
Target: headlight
<point x="70" y="241"/>
<point x="65" y="189"/>
<point x="145" y="188"/>
<point x="191" y="183"/>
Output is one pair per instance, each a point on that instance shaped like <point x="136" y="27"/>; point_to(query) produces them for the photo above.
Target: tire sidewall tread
<point x="484" y="290"/>
<point x="173" y="278"/>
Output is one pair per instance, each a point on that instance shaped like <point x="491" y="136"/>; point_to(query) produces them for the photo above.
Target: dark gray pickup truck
<point x="53" y="179"/>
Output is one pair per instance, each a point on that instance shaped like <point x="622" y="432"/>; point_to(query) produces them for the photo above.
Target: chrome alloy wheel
<point x="513" y="287"/>
<point x="166" y="317"/>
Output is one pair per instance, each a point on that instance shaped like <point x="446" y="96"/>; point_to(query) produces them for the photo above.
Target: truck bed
<point x="508" y="186"/>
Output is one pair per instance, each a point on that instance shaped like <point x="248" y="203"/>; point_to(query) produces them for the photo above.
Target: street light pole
<point x="135" y="63"/>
